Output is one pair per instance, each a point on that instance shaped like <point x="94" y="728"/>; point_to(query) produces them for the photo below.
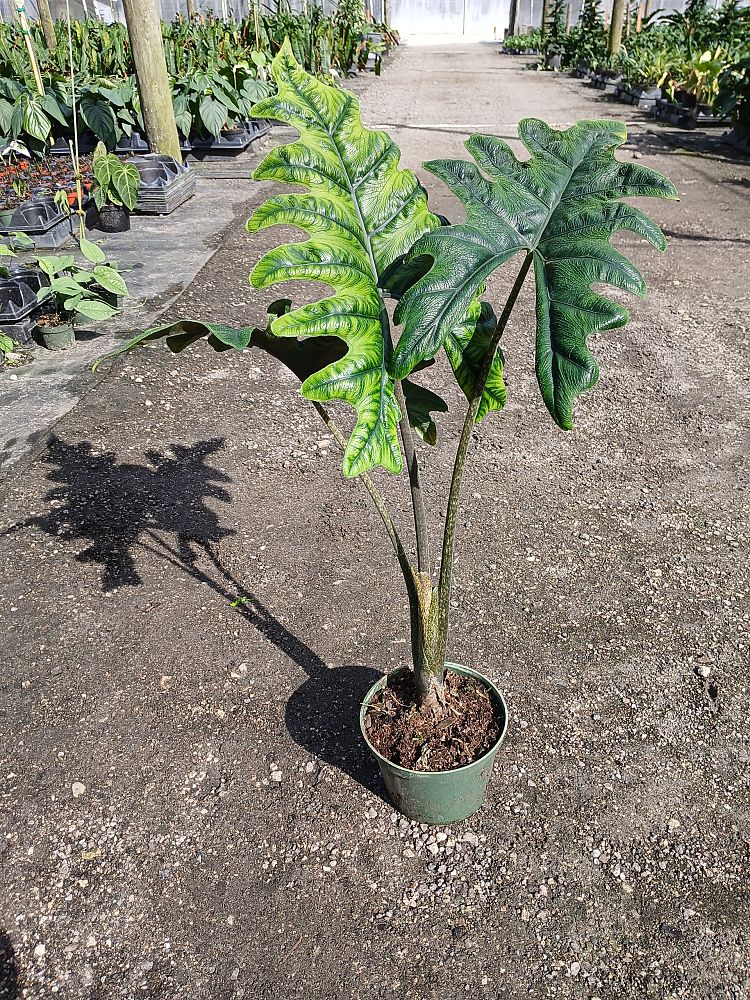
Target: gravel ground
<point x="188" y="811"/>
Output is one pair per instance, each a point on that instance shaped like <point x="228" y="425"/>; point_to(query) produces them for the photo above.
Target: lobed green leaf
<point x="361" y="213"/>
<point x="561" y="206"/>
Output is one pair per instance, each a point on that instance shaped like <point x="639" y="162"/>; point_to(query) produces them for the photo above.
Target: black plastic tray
<point x="233" y="142"/>
<point x="135" y="143"/>
<point x="166" y="183"/>
<point x="42" y="221"/>
<point x="18" y="293"/>
<point x="157" y="170"/>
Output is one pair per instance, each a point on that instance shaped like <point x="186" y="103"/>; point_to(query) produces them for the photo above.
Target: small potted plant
<point x="434" y="727"/>
<point x="74" y="293"/>
<point x="115" y="190"/>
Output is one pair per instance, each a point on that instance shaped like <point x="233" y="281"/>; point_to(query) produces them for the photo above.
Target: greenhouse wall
<point x="169" y="9"/>
<point x="487" y="18"/>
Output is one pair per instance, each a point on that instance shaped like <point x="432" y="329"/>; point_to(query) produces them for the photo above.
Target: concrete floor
<point x="158" y="257"/>
<point x="188" y="814"/>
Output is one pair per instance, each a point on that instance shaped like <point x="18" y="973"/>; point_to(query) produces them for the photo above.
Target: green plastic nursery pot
<point x="438" y="797"/>
<point x="57" y="338"/>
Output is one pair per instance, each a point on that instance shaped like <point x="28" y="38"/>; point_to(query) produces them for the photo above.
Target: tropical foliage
<point x="115" y="182"/>
<point x="692" y="54"/>
<point x="218" y="70"/>
<point x="370" y="235"/>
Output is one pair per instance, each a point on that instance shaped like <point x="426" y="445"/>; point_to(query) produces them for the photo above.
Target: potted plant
<point x="115" y="189"/>
<point x="76" y="292"/>
<point x="434" y="727"/>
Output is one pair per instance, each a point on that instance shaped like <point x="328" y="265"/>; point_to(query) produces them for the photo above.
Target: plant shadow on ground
<point x="121" y="508"/>
<point x="10" y="984"/>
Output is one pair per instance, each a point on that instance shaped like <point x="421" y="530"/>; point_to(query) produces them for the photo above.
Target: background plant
<point x="115" y="182"/>
<point x="78" y="291"/>
<point x="218" y="70"/>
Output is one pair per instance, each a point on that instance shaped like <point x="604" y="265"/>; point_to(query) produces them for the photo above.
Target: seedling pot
<point x="114" y="219"/>
<point x="56" y="338"/>
<point x="438" y="797"/>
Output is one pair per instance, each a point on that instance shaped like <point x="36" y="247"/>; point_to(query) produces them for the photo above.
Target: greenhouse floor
<point x="195" y="602"/>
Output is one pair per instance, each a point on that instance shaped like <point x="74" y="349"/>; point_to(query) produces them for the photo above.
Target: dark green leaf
<point x="100" y="118"/>
<point x="213" y="114"/>
<point x="562" y="207"/>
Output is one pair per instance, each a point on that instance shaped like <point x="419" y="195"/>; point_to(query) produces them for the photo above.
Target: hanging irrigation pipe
<point x="74" y="145"/>
<point x="21" y="11"/>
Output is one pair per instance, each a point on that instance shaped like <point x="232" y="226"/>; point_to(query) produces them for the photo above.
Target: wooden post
<point x="569" y="17"/>
<point x="639" y="19"/>
<point x="615" y="27"/>
<point x="627" y="18"/>
<point x="144" y="31"/>
<point x="191" y="11"/>
<point x="387" y="12"/>
<point x="545" y="14"/>
<point x="48" y="27"/>
<point x="513" y="21"/>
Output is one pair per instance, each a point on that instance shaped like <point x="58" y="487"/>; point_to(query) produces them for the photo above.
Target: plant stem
<point x="449" y="534"/>
<point x="410" y="453"/>
<point x="415" y="485"/>
<point x="398" y="547"/>
<point x="407" y="570"/>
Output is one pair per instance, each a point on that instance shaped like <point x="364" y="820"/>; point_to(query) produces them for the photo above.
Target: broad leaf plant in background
<point x="371" y="236"/>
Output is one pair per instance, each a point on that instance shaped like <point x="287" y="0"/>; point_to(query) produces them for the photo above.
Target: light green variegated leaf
<point x="562" y="207"/>
<point x="92" y="251"/>
<point x="466" y="346"/>
<point x="110" y="279"/>
<point x="92" y="309"/>
<point x="361" y="213"/>
<point x="421" y="403"/>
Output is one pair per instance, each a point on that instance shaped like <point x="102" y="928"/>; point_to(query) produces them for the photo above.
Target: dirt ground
<point x="194" y="602"/>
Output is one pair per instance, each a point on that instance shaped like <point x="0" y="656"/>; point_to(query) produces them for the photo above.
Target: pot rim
<point x="456" y="668"/>
<point x="46" y="329"/>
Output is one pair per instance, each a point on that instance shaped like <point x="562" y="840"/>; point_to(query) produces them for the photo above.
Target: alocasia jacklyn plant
<point x="371" y="236"/>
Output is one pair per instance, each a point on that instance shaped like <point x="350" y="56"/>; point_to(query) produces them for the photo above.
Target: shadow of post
<point x="121" y="508"/>
<point x="10" y="984"/>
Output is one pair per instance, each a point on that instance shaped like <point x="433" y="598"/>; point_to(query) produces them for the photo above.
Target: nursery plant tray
<point x="42" y="222"/>
<point x="257" y="127"/>
<point x="645" y="99"/>
<point x="677" y="114"/>
<point x="165" y="183"/>
<point x="738" y="139"/>
<point x="18" y="293"/>
<point x="21" y="332"/>
<point x="226" y="144"/>
<point x="86" y="144"/>
<point x="134" y="143"/>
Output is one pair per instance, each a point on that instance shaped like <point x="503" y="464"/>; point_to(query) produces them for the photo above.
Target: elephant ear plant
<point x="371" y="236"/>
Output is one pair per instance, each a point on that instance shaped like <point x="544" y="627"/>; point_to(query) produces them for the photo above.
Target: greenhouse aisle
<point x="195" y="603"/>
